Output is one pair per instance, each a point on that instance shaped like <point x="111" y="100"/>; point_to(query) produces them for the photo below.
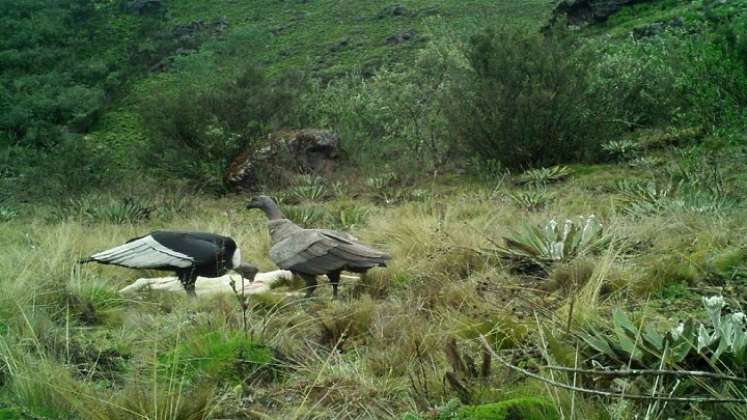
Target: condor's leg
<point x="334" y="279"/>
<point x="310" y="281"/>
<point x="188" y="279"/>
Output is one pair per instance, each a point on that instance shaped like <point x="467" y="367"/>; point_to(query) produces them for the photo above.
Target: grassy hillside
<point x="333" y="37"/>
<point x="506" y="290"/>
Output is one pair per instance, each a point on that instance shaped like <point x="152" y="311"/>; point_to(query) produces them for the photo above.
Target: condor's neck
<point x="273" y="212"/>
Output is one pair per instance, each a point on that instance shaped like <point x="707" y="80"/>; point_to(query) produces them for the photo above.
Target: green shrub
<point x="528" y="408"/>
<point x="60" y="65"/>
<point x="7" y="214"/>
<point x="221" y="356"/>
<point x="69" y="168"/>
<point x="691" y="79"/>
<point x="201" y="121"/>
<point x="524" y="101"/>
<point x="398" y="115"/>
<point x="634" y="83"/>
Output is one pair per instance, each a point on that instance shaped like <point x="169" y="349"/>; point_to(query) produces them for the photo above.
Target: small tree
<point x="524" y="101"/>
<point x="199" y="125"/>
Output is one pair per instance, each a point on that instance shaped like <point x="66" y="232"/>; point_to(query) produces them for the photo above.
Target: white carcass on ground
<point x="208" y="286"/>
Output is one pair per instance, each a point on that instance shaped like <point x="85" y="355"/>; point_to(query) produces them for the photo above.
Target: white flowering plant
<point x="721" y="341"/>
<point x="555" y="242"/>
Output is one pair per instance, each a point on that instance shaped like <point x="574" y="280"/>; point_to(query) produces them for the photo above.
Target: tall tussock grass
<point x="71" y="346"/>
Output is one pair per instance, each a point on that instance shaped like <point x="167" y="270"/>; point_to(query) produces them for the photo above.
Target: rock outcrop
<point x="401" y="37"/>
<point x="581" y="12"/>
<point x="303" y="151"/>
<point x="145" y="7"/>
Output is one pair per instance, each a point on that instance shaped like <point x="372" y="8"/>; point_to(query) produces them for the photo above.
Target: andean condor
<point x="188" y="254"/>
<point x="312" y="252"/>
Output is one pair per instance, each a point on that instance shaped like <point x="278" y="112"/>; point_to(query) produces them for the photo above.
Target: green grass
<point x="72" y="347"/>
<point x="68" y="333"/>
<point x="524" y="408"/>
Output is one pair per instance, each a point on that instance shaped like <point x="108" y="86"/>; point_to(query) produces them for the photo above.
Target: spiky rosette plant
<point x="554" y="242"/>
<point x="621" y="149"/>
<point x="543" y="176"/>
<point x="721" y="342"/>
<point x="531" y="200"/>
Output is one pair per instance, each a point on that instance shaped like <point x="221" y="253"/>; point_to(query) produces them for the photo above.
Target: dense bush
<point x="690" y="80"/>
<point x="60" y="63"/>
<point x="524" y="102"/>
<point x="65" y="169"/>
<point x="396" y="116"/>
<point x="538" y="99"/>
<point x="199" y="121"/>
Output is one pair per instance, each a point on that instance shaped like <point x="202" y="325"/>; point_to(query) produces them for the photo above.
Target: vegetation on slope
<point x="632" y="130"/>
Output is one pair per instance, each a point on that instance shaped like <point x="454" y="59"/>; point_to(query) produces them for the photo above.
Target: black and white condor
<point x="188" y="254"/>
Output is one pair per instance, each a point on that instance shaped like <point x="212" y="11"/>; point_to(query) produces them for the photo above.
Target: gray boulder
<point x="303" y="151"/>
<point x="581" y="12"/>
<point x="394" y="10"/>
<point x="401" y="37"/>
<point x="656" y="28"/>
<point x="145" y="7"/>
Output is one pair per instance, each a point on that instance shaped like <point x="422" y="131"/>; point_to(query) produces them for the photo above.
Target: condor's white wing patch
<point x="236" y="259"/>
<point x="143" y="252"/>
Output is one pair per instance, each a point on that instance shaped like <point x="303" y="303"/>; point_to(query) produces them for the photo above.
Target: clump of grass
<point x="308" y="216"/>
<point x="544" y="176"/>
<point x="727" y="264"/>
<point x="621" y="149"/>
<point x="528" y="408"/>
<point x="224" y="356"/>
<point x="646" y="162"/>
<point x="343" y="324"/>
<point x="7" y="214"/>
<point x="176" y="203"/>
<point x="28" y="387"/>
<point x="141" y="398"/>
<point x="92" y="300"/>
<point x="384" y="189"/>
<point x="670" y="137"/>
<point x="668" y="270"/>
<point x="311" y="189"/>
<point x="466" y="375"/>
<point x="640" y="198"/>
<point x="351" y="217"/>
<point x="571" y="275"/>
<point x="108" y="209"/>
<point x="654" y="198"/>
<point x="381" y="182"/>
<point x="532" y="200"/>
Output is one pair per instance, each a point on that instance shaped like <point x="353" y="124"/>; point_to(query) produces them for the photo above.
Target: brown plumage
<point x="313" y="252"/>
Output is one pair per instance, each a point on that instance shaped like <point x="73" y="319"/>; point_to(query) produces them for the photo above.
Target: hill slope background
<point x="553" y="199"/>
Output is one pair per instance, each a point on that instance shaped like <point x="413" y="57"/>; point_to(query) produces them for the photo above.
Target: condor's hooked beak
<point x="247" y="271"/>
<point x="254" y="204"/>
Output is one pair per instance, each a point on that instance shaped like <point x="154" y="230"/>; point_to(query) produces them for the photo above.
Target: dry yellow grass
<point x="71" y="346"/>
